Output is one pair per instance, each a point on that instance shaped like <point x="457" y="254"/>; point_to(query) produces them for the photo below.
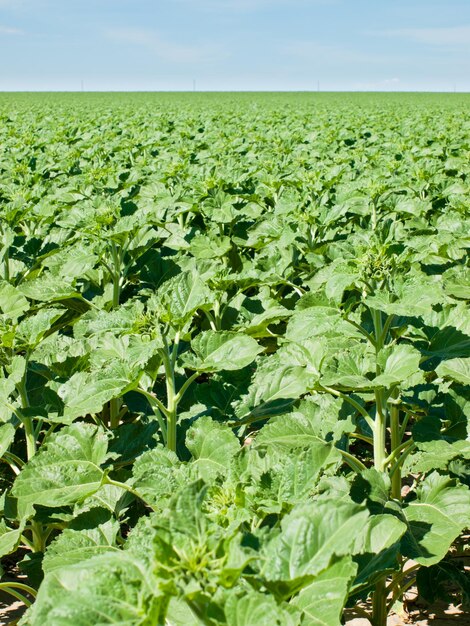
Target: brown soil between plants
<point x="418" y="613"/>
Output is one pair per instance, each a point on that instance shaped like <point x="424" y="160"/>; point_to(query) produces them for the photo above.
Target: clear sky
<point x="384" y="45"/>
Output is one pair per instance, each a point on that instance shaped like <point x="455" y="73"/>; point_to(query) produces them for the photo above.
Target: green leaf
<point x="86" y="393"/>
<point x="274" y="388"/>
<point x="212" y="445"/>
<point x="401" y="362"/>
<point x="75" y="546"/>
<point x="318" y="321"/>
<point x="10" y="538"/>
<point x="7" y="435"/>
<point x="181" y="296"/>
<point x="311" y="536"/>
<point x="32" y="329"/>
<point x="378" y="544"/>
<point x="219" y="350"/>
<point x="292" y="430"/>
<point x="435" y="519"/>
<point x="255" y="608"/>
<point x="153" y="474"/>
<point x="12" y="302"/>
<point x="455" y="369"/>
<point x="112" y="588"/>
<point x="64" y="471"/>
<point x="323" y="600"/>
<point x="48" y="288"/>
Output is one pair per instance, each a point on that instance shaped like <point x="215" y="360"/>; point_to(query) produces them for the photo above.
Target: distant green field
<point x="234" y="355"/>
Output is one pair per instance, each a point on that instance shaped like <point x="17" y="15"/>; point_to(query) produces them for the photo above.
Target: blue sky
<point x="235" y="45"/>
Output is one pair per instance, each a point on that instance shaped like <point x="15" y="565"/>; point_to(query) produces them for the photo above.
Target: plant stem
<point x="379" y="604"/>
<point x="399" y="462"/>
<point x="186" y="385"/>
<point x="9" y="588"/>
<point x="159" y="410"/>
<point x="172" y="401"/>
<point x="395" y="442"/>
<point x="128" y="488"/>
<point x="355" y="464"/>
<point x="360" y="409"/>
<point x="380" y="423"/>
<point x="26" y="420"/>
<point x="116" y="275"/>
<point x="39" y="543"/>
<point x="114" y="412"/>
<point x="6" y="265"/>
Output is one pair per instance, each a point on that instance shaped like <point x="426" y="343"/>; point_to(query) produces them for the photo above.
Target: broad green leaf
<point x="48" y="288"/>
<point x="323" y="600"/>
<point x="86" y="393"/>
<point x="317" y="321"/>
<point x="7" y="435"/>
<point x="181" y="296"/>
<point x="311" y="536"/>
<point x="292" y="430"/>
<point x="10" y="538"/>
<point x="435" y="519"/>
<point x="274" y="388"/>
<point x="401" y="362"/>
<point x="378" y="545"/>
<point x="255" y="608"/>
<point x="455" y="369"/>
<point x="75" y="546"/>
<point x="154" y="475"/>
<point x="65" y="470"/>
<point x="31" y="330"/>
<point x="212" y="445"/>
<point x="109" y="589"/>
<point x="12" y="302"/>
<point x="219" y="350"/>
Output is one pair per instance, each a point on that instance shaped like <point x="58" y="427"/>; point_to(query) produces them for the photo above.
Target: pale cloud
<point x="439" y="36"/>
<point x="8" y="30"/>
<point x="166" y="50"/>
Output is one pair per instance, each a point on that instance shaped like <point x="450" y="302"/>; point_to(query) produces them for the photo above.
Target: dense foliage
<point x="234" y="355"/>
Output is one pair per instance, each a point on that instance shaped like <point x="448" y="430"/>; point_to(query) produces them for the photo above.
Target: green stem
<point x="365" y="438"/>
<point x="395" y="443"/>
<point x="9" y="588"/>
<point x="159" y="411"/>
<point x="26" y="420"/>
<point x="360" y="409"/>
<point x="174" y="352"/>
<point x="399" y="462"/>
<point x="39" y="539"/>
<point x="386" y="328"/>
<point x="394" y="455"/>
<point x="380" y="422"/>
<point x="114" y="412"/>
<point x="404" y="424"/>
<point x="187" y="383"/>
<point x="171" y="398"/>
<point x="129" y="489"/>
<point x="6" y="265"/>
<point x="153" y="401"/>
<point x="380" y="432"/>
<point x="363" y="331"/>
<point x="400" y="592"/>
<point x="355" y="464"/>
<point x="379" y="604"/>
<point x="116" y="275"/>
